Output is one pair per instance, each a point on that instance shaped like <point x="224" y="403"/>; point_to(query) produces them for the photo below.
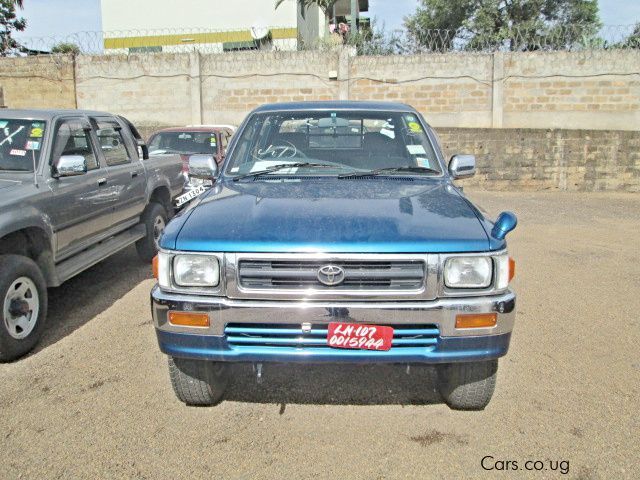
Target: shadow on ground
<point x="334" y="385"/>
<point x="83" y="297"/>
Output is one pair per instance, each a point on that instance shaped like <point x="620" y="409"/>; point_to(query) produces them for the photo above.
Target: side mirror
<point x="143" y="150"/>
<point x="506" y="222"/>
<point x="70" y="166"/>
<point x="203" y="166"/>
<point x="462" y="166"/>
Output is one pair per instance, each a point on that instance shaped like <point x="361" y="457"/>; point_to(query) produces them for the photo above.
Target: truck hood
<point x="9" y="183"/>
<point x="382" y="215"/>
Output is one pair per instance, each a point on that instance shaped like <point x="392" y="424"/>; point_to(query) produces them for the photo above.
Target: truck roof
<point x="45" y="114"/>
<point x="336" y="105"/>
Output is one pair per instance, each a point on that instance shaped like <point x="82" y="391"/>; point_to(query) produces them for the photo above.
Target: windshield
<point x="20" y="144"/>
<point x="348" y="141"/>
<point x="184" y="143"/>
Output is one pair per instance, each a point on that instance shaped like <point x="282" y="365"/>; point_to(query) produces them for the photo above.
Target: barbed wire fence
<point x="371" y="42"/>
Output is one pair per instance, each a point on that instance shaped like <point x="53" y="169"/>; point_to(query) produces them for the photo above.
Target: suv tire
<point x="467" y="386"/>
<point x="197" y="382"/>
<point x="23" y="306"/>
<point x="154" y="219"/>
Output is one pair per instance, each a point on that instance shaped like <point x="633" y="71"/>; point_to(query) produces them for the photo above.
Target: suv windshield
<point x="20" y="144"/>
<point x="348" y="141"/>
<point x="183" y="142"/>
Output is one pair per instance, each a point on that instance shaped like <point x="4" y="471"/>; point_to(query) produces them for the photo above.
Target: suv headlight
<point x="468" y="272"/>
<point x="196" y="271"/>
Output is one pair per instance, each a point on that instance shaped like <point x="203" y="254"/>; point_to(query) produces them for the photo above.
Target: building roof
<point x="336" y="105"/>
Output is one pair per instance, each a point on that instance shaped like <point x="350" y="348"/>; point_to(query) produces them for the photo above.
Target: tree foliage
<point x="66" y="48"/>
<point x="633" y="40"/>
<point x="9" y="23"/>
<point x="510" y="24"/>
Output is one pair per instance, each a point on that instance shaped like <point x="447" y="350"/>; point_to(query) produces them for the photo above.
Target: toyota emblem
<point x="331" y="275"/>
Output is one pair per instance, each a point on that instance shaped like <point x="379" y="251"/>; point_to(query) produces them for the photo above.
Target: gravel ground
<point x="94" y="400"/>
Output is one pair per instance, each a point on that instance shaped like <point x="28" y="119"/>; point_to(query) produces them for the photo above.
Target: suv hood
<point x="381" y="215"/>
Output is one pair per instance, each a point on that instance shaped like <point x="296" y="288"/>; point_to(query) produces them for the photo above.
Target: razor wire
<point x="368" y="42"/>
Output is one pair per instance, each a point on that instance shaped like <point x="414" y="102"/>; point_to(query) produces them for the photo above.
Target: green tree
<point x="66" y="48"/>
<point x="633" y="40"/>
<point x="9" y="22"/>
<point x="511" y="24"/>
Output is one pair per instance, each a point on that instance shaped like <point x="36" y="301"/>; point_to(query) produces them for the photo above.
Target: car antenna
<point x="35" y="173"/>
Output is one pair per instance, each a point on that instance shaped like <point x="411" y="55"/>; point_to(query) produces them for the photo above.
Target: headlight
<point x="468" y="272"/>
<point x="196" y="271"/>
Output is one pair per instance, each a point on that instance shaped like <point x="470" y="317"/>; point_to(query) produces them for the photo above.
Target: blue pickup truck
<point x="334" y="233"/>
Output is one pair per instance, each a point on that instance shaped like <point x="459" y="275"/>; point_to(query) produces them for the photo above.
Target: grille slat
<point x="286" y="335"/>
<point x="358" y="275"/>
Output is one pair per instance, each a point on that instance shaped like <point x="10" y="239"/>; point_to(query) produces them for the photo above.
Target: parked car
<point x="75" y="188"/>
<point x="335" y="233"/>
<point x="207" y="140"/>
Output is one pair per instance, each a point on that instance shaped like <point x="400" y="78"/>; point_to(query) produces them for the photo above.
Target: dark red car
<point x="192" y="139"/>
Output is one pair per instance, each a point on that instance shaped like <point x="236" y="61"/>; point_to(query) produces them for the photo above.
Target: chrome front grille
<point x="247" y="335"/>
<point x="391" y="275"/>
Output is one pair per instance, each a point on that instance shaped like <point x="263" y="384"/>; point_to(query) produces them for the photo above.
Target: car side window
<point x="73" y="138"/>
<point x="112" y="143"/>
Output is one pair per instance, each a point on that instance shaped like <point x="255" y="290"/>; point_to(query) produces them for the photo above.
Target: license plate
<point x="190" y="195"/>
<point x="356" y="336"/>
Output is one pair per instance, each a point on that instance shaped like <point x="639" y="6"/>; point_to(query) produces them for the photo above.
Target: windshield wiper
<point x="282" y="166"/>
<point x="380" y="171"/>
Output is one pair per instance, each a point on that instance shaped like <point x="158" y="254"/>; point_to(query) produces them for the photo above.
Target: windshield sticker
<point x="235" y="169"/>
<point x="36" y="132"/>
<point x="423" y="162"/>
<point x="3" y="123"/>
<point x="414" y="127"/>
<point x="32" y="145"/>
<point x="410" y="118"/>
<point x="213" y="142"/>
<point x="416" y="149"/>
<point x="18" y="153"/>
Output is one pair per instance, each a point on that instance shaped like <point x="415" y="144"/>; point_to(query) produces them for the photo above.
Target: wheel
<point x="23" y="293"/>
<point x="197" y="382"/>
<point x="467" y="386"/>
<point x="154" y="219"/>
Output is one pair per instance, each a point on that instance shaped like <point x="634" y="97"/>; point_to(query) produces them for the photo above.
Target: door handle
<point x="102" y="181"/>
<point x="134" y="174"/>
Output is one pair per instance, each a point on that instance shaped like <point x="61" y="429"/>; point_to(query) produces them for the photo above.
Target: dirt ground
<point x="94" y="400"/>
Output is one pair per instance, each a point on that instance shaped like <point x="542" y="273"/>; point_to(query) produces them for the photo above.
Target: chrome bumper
<point x="441" y="312"/>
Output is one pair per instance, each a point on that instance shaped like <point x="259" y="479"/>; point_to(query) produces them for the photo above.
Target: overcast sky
<point x="62" y="17"/>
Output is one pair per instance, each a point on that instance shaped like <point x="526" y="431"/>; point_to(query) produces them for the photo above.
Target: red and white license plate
<point x="356" y="336"/>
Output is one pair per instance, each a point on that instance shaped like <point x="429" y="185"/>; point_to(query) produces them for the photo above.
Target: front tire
<point x="197" y="382"/>
<point x="467" y="386"/>
<point x="154" y="219"/>
<point x="23" y="303"/>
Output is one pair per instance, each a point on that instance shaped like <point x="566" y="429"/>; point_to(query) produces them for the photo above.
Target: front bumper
<point x="453" y="345"/>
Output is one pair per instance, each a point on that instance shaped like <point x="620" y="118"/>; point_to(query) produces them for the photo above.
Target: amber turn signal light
<point x="512" y="268"/>
<point x="154" y="267"/>
<point x="476" y="320"/>
<point x="189" y="319"/>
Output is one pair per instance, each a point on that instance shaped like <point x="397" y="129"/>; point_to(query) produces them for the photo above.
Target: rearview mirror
<point x="203" y="166"/>
<point x="462" y="166"/>
<point x="70" y="166"/>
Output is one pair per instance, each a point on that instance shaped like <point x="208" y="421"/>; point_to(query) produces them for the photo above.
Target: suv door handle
<point x="134" y="174"/>
<point x="102" y="181"/>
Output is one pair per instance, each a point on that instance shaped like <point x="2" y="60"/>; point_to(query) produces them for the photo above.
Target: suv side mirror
<point x="143" y="150"/>
<point x="70" y="166"/>
<point x="462" y="166"/>
<point x="203" y="166"/>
